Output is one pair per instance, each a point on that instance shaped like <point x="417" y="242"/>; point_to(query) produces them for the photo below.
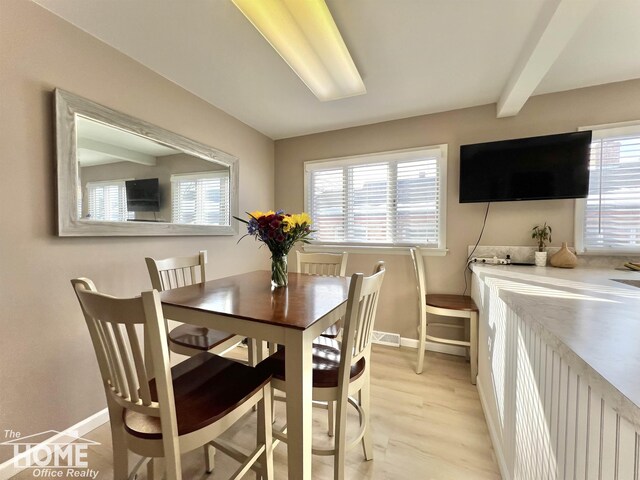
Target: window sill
<point x="608" y="253"/>
<point x="374" y="250"/>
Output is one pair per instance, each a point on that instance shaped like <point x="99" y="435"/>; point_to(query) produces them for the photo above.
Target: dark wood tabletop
<point x="299" y="305"/>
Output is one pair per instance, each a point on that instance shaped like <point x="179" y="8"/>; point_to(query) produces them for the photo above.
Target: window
<point x="107" y="201"/>
<point x="201" y="198"/>
<point x="608" y="220"/>
<point x="384" y="199"/>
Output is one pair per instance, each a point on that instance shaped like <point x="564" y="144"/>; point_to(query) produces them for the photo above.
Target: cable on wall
<point x="466" y="268"/>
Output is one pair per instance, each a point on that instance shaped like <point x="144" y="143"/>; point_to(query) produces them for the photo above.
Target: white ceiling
<point x="415" y="56"/>
<point x="112" y="145"/>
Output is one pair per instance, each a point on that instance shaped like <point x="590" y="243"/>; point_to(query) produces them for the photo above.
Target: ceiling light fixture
<point x="306" y="37"/>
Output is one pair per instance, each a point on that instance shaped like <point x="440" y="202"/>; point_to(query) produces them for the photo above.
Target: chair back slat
<point x="175" y="272"/>
<point x="130" y="376"/>
<point x="421" y="281"/>
<point x="138" y="361"/>
<point x="324" y="264"/>
<point x="118" y="381"/>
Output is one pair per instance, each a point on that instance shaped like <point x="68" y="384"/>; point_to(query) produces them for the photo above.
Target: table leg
<point x="298" y="374"/>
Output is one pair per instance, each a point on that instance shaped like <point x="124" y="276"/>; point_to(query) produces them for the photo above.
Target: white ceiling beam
<point x="557" y="24"/>
<point x="116" y="152"/>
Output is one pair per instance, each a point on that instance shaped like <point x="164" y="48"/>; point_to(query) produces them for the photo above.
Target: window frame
<point x="599" y="132"/>
<point x="441" y="151"/>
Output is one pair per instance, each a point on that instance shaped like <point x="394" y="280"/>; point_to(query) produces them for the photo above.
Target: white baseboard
<point x="8" y="469"/>
<point x="435" y="347"/>
<point x="493" y="433"/>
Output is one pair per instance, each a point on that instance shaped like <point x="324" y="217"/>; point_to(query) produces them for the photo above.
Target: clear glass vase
<point x="279" y="271"/>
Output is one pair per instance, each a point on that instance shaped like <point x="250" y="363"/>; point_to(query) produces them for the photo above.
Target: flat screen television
<point x="535" y="168"/>
<point x="143" y="195"/>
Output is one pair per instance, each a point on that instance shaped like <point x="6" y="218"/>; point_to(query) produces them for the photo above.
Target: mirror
<point x="118" y="175"/>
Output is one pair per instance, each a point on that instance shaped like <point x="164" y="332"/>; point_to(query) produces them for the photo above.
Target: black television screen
<point x="536" y="168"/>
<point x="143" y="195"/>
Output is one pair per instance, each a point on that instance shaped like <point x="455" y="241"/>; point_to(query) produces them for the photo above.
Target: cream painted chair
<point x="327" y="264"/>
<point x="324" y="264"/>
<point x="341" y="373"/>
<point x="461" y="306"/>
<point x="187" y="339"/>
<point x="168" y="411"/>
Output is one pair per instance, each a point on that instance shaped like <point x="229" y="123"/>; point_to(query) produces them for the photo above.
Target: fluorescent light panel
<point x="306" y="37"/>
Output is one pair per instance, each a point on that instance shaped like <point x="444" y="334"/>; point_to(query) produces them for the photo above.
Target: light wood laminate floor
<point x="428" y="426"/>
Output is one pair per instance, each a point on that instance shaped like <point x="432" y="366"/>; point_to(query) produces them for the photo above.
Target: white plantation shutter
<point x="201" y="198"/>
<point x="611" y="214"/>
<point x="385" y="199"/>
<point x="328" y="204"/>
<point x="107" y="201"/>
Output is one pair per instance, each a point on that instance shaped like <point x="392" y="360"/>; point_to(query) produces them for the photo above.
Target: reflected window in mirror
<point x="106" y="201"/>
<point x="201" y="198"/>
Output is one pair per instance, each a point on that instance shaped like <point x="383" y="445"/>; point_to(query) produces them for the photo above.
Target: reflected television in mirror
<point x="143" y="195"/>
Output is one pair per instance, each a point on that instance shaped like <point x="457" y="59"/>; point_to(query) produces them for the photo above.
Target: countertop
<point x="585" y="315"/>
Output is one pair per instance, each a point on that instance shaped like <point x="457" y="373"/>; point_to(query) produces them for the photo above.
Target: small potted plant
<point x="541" y="234"/>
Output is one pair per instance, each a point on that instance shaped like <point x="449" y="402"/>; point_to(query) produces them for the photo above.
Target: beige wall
<point x="48" y="374"/>
<point x="508" y="223"/>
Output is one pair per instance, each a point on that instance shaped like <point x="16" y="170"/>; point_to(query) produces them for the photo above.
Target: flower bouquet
<point x="279" y="231"/>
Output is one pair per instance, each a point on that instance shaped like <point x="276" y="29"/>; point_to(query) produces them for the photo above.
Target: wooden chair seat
<point x="198" y="338"/>
<point x="326" y="362"/>
<point x="451" y="302"/>
<point x="206" y="388"/>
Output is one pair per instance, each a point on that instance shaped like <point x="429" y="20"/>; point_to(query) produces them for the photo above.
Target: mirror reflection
<point x="124" y="177"/>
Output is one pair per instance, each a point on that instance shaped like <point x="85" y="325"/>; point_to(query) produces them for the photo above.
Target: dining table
<point x="291" y="316"/>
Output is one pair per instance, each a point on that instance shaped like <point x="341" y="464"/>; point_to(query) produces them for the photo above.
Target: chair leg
<point x="340" y="439"/>
<point x="252" y="356"/>
<point x="155" y="469"/>
<point x="467" y="335"/>
<point x="252" y="352"/>
<point x="119" y="442"/>
<point x="209" y="457"/>
<point x="265" y="436"/>
<point x="421" y="343"/>
<point x="365" y="404"/>
<point x="331" y="417"/>
<point x="473" y="348"/>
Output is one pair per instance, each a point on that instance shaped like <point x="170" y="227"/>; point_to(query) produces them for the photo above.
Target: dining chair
<point x="324" y="264"/>
<point x="342" y="370"/>
<point x="188" y="339"/>
<point x="461" y="306"/>
<point x="160" y="412"/>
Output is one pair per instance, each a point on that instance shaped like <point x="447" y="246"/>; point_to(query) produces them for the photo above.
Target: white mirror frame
<point x="68" y="106"/>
